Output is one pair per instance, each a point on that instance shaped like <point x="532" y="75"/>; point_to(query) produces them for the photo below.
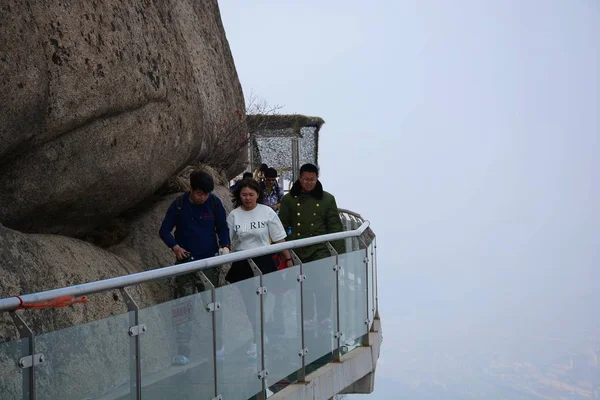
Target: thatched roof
<point x="259" y="122"/>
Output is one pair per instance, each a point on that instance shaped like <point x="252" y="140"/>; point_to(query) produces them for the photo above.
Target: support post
<point x="261" y="291"/>
<point x="135" y="375"/>
<point x="376" y="279"/>
<point x="27" y="352"/>
<point x="338" y="330"/>
<point x="297" y="261"/>
<point x="214" y="307"/>
<point x="365" y="338"/>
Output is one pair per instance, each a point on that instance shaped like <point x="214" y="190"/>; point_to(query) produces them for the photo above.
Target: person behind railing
<point x="307" y="210"/>
<point x="272" y="193"/>
<point x="253" y="225"/>
<point x="201" y="231"/>
<point x="237" y="183"/>
<point x="260" y="177"/>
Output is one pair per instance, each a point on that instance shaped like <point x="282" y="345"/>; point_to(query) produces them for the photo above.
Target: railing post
<point x="135" y="330"/>
<point x="376" y="279"/>
<point x="213" y="307"/>
<point x="29" y="359"/>
<point x="300" y="279"/>
<point x="338" y="331"/>
<point x="373" y="281"/>
<point x="261" y="291"/>
<point x="365" y="340"/>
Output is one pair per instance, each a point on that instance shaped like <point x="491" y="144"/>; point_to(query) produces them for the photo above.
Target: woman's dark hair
<point x="309" y="168"/>
<point x="247" y="175"/>
<point x="247" y="183"/>
<point x="200" y="180"/>
<point x="271" y="173"/>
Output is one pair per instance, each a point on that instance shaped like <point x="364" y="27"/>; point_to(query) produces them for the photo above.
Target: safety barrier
<point x="307" y="315"/>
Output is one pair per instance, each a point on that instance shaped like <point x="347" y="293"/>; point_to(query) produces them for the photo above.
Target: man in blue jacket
<point x="201" y="231"/>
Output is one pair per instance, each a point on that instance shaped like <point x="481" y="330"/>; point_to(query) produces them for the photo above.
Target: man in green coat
<point x="310" y="211"/>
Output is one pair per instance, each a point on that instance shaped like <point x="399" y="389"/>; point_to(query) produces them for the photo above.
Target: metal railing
<point x="311" y="312"/>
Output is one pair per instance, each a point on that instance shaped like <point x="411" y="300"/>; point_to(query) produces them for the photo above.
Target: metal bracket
<point x="303" y="352"/>
<point x="337" y="267"/>
<point x="29" y="361"/>
<point x="331" y="249"/>
<point x="255" y="270"/>
<point x="212" y="307"/>
<point x="205" y="281"/>
<point x="22" y="327"/>
<point x="129" y="301"/>
<point x="261" y="290"/>
<point x="367" y="321"/>
<point x="295" y="258"/>
<point x="137" y="330"/>
<point x="301" y="277"/>
<point x="338" y="335"/>
<point x="263" y="374"/>
<point x="362" y="241"/>
<point x="366" y="260"/>
<point x="219" y="397"/>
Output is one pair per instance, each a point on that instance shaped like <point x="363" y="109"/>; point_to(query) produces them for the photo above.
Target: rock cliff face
<point x="103" y="101"/>
<point x="101" y="104"/>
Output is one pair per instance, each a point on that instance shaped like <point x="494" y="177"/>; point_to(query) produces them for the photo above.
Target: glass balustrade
<point x="353" y="296"/>
<point x="202" y="346"/>
<point x="320" y="308"/>
<point x="13" y="379"/>
<point x="176" y="351"/>
<point x="283" y="324"/>
<point x="86" y="361"/>
<point x="242" y="359"/>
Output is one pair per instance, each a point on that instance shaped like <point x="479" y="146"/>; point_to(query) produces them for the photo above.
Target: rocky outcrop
<point x="93" y="336"/>
<point x="103" y="102"/>
<point x="102" y="105"/>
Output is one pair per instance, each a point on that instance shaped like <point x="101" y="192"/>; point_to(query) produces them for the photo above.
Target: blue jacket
<point x="195" y="227"/>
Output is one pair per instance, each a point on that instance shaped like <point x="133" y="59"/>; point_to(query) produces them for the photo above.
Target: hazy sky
<point x="468" y="133"/>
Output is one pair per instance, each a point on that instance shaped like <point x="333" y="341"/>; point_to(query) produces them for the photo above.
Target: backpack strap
<point x="214" y="204"/>
<point x="178" y="208"/>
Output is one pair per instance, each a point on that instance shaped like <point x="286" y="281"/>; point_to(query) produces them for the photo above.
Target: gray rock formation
<point x="93" y="336"/>
<point x="102" y="102"/>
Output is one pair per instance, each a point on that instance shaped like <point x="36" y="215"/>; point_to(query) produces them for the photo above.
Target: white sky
<point x="468" y="133"/>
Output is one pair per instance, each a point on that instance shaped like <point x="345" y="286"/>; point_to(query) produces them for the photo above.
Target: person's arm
<point x="224" y="236"/>
<point x="277" y="234"/>
<point x="279" y="192"/>
<point x="285" y="254"/>
<point x="284" y="214"/>
<point x="334" y="224"/>
<point x="164" y="232"/>
<point x="230" y="229"/>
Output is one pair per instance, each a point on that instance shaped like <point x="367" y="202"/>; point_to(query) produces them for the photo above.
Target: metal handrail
<point x="84" y="289"/>
<point x="354" y="214"/>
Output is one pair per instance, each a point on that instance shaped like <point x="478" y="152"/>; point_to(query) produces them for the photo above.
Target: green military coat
<point x="311" y="214"/>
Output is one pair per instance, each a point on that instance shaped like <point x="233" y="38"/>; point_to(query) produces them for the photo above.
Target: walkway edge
<point x="354" y="374"/>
